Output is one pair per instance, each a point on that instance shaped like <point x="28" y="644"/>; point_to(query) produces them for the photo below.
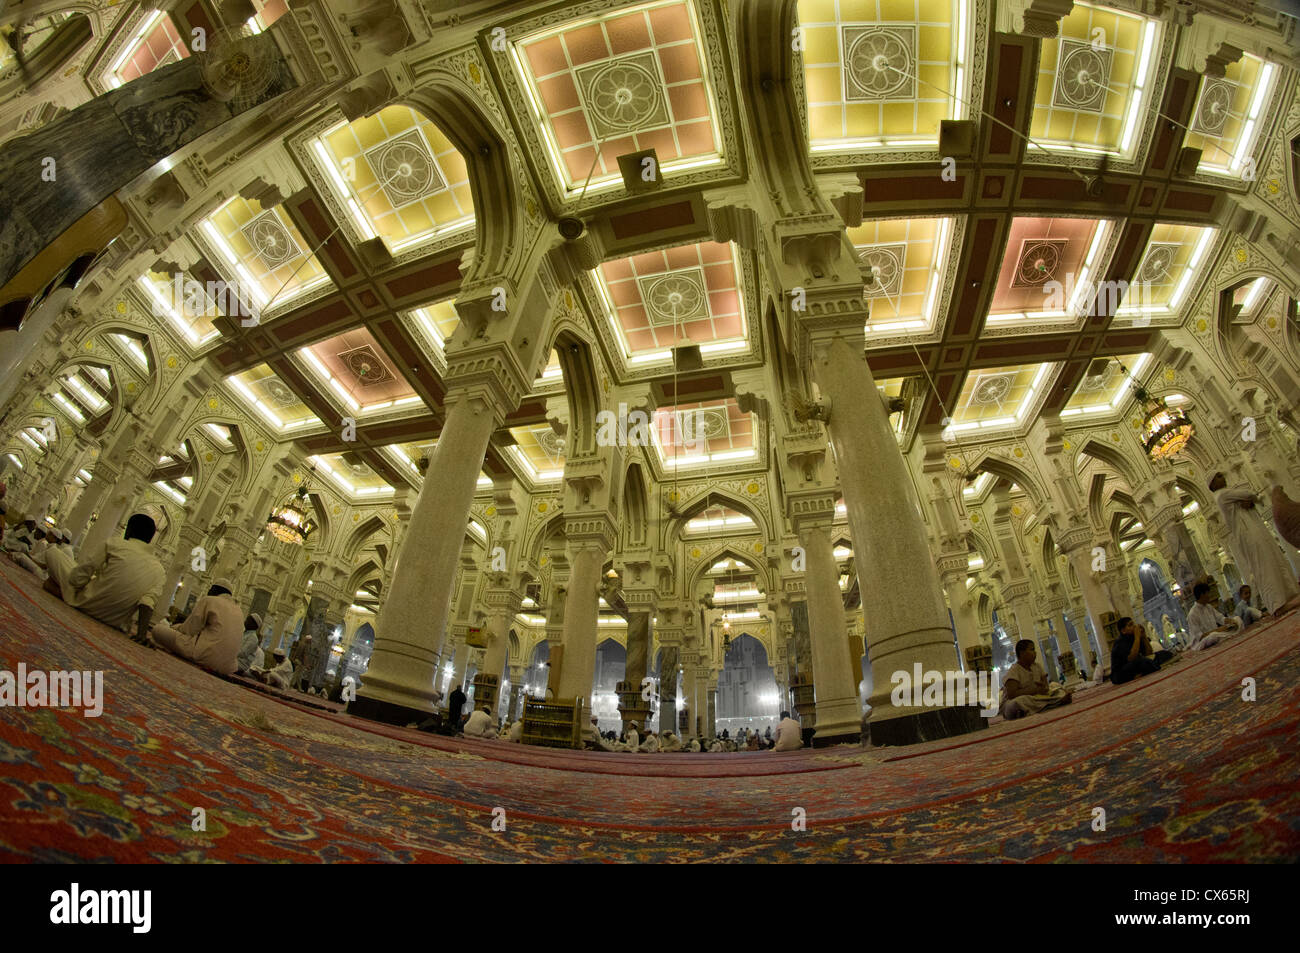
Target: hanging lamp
<point x="290" y="523"/>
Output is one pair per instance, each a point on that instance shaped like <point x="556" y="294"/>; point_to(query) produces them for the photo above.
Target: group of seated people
<point x="788" y="737"/>
<point x="120" y="581"/>
<point x="1026" y="689"/>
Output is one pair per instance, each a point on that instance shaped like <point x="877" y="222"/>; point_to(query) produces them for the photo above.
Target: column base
<point x="386" y="712"/>
<point x="929" y="725"/>
<point x="820" y="740"/>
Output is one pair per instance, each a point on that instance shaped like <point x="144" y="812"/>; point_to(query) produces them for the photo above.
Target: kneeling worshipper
<point x="212" y="634"/>
<point x="789" y="736"/>
<point x="1024" y="688"/>
<point x="1206" y="625"/>
<point x="113" y="582"/>
<point x="480" y="725"/>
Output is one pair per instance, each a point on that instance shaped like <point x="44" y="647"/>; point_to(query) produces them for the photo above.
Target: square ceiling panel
<point x="1167" y="269"/>
<point x="707" y="432"/>
<point x="1093" y="80"/>
<point x="1226" y="119"/>
<point x="401" y="179"/>
<point x="541" y="450"/>
<point x="262" y="251"/>
<point x="273" y="399"/>
<point x="359" y="372"/>
<point x="184" y="302"/>
<point x="350" y="473"/>
<point x="1047" y="266"/>
<point x="409" y="455"/>
<point x="1105" y="388"/>
<point x="882" y="73"/>
<point x="689" y="294"/>
<point x="622" y="82"/>
<point x="907" y="258"/>
<point x="156" y="43"/>
<point x="998" y="398"/>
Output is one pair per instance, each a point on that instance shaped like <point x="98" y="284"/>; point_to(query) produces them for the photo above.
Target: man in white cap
<point x="212" y="634"/>
<point x="116" y="581"/>
<point x="250" y="649"/>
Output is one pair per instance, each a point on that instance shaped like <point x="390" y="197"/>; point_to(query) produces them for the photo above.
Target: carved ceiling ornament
<point x="879" y="63"/>
<point x="368" y="367"/>
<point x="274" y="245"/>
<point x="1082" y="75"/>
<point x="1038" y="262"/>
<point x="675" y="298"/>
<point x="886" y="263"/>
<point x="406" y="167"/>
<point x="624" y="95"/>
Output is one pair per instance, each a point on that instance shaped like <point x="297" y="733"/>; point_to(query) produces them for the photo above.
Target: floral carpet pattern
<point x="1183" y="768"/>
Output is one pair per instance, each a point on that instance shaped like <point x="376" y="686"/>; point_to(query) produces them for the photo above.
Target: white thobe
<point x="1263" y="564"/>
<point x="480" y="725"/>
<point x="111" y="580"/>
<point x="789" y="736"/>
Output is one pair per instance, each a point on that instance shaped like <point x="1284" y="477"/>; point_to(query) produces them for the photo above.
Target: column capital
<point x="1013" y="592"/>
<point x="811" y="510"/>
<point x="589" y="531"/>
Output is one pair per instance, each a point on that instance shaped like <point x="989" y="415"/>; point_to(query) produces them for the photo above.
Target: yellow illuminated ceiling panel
<point x="541" y="450"/>
<point x="906" y="258"/>
<point x="1169" y="266"/>
<point x="400" y="177"/>
<point x="1226" y="120"/>
<point x="184" y="302"/>
<point x="1093" y="80"/>
<point x="629" y="80"/>
<point x="350" y="473"/>
<point x="883" y="73"/>
<point x="1104" y="391"/>
<point x="263" y="251"/>
<point x="997" y="398"/>
<point x="278" y="405"/>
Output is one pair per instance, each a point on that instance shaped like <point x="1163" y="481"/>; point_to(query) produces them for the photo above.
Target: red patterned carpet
<point x="1184" y="769"/>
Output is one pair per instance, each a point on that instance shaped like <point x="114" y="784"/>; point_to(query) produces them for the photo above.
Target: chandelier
<point x="1165" y="430"/>
<point x="290" y="522"/>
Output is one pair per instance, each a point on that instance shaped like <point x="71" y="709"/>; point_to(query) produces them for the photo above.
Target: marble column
<point x="412" y="623"/>
<point x="1094" y="597"/>
<point x="103" y="478"/>
<point x="891" y="538"/>
<point x="668" y="661"/>
<point x="632" y="708"/>
<point x="581" y="612"/>
<point x="965" y="617"/>
<point x="688" y="693"/>
<point x="115" y="503"/>
<point x="839" y="719"/>
<point x="1086" y="644"/>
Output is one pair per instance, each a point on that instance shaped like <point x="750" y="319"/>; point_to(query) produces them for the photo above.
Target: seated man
<point x="1247" y="613"/>
<point x="250" y="648"/>
<point x="34" y="559"/>
<point x="212" y="634"/>
<point x="480" y="725"/>
<point x="1206" y="625"/>
<point x="516" y="732"/>
<point x="789" y="736"/>
<point x="631" y="739"/>
<point x="113" y="582"/>
<point x="19" y="537"/>
<point x="670" y="742"/>
<point x="1024" y="688"/>
<point x="277" y="677"/>
<point x="650" y="745"/>
<point x="1126" y="659"/>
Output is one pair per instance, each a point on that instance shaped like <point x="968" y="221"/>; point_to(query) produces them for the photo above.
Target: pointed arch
<point x="1013" y="473"/>
<point x="636" y="507"/>
<point x="1115" y="459"/>
<point x="357" y="538"/>
<point x="712" y="496"/>
<point x="581" y="386"/>
<point x="728" y="550"/>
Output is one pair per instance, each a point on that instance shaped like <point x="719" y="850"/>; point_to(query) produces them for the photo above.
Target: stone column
<point x="1075" y="545"/>
<point x="61" y="472"/>
<point x="839" y="719"/>
<point x="689" y="660"/>
<point x="114" y="505"/>
<point x="104" y="477"/>
<point x="581" y="612"/>
<point x="888" y="531"/>
<point x="412" y="623"/>
<point x="668" y="662"/>
<point x="964" y="614"/>
<point x="503" y="604"/>
<point x="632" y="708"/>
<point x="1086" y="645"/>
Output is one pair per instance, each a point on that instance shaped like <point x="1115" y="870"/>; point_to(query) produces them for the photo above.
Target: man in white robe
<point x="480" y="725"/>
<point x="211" y="635"/>
<point x="1262" y="561"/>
<point x="118" y="581"/>
<point x="789" y="736"/>
<point x="1206" y="625"/>
<point x="1025" y="688"/>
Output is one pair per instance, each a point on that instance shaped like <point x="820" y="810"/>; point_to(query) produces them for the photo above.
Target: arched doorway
<point x="357" y="658"/>
<point x="611" y="663"/>
<point x="1159" y="601"/>
<point x="747" y="696"/>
